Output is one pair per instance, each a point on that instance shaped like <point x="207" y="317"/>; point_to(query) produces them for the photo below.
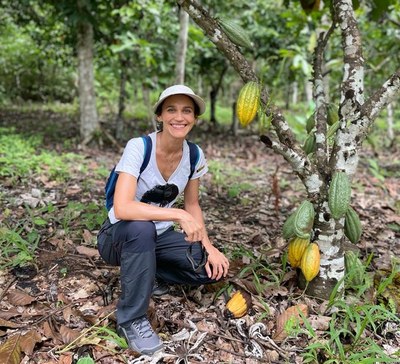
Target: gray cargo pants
<point x="142" y="255"/>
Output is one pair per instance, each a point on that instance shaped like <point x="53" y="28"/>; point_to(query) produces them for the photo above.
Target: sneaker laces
<point x="143" y="326"/>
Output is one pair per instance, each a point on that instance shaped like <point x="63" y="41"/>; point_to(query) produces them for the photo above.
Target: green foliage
<point x="19" y="158"/>
<point x="346" y="340"/>
<point x="227" y="179"/>
<point x="35" y="64"/>
<point x="16" y="250"/>
<point x="85" y="360"/>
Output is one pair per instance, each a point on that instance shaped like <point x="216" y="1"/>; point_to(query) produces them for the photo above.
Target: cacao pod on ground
<point x="238" y="304"/>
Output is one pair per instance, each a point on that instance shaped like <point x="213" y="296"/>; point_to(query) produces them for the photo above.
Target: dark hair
<point x="196" y="108"/>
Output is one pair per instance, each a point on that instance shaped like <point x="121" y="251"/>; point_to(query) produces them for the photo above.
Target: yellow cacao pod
<point x="238" y="304"/>
<point x="310" y="262"/>
<point x="248" y="102"/>
<point x="296" y="249"/>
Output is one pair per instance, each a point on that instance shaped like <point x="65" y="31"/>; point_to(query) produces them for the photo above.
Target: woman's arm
<point x="126" y="208"/>
<point x="217" y="265"/>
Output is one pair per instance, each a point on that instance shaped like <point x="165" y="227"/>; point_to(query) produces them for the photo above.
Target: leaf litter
<point x="63" y="307"/>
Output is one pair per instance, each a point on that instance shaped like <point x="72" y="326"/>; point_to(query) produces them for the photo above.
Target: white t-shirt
<point x="152" y="187"/>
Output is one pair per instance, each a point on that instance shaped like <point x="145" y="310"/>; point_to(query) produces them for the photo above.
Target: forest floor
<point x="61" y="308"/>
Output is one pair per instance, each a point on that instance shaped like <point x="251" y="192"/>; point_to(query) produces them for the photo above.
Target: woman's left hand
<point x="217" y="264"/>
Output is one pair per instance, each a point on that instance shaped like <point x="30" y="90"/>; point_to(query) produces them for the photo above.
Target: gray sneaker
<point x="160" y="288"/>
<point x="141" y="337"/>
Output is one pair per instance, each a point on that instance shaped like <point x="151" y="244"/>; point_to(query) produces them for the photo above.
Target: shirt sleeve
<point x="132" y="157"/>
<point x="201" y="166"/>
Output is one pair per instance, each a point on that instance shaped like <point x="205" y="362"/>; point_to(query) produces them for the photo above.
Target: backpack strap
<point x="194" y="157"/>
<point x="112" y="178"/>
<point x="148" y="144"/>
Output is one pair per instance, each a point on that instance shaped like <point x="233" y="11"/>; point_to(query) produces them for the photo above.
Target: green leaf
<point x="85" y="360"/>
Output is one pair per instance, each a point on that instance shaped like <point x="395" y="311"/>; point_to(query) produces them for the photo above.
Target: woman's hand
<point x="217" y="264"/>
<point x="193" y="230"/>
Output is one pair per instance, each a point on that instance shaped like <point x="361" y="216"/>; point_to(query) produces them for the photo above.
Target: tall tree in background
<point x="181" y="47"/>
<point x="89" y="122"/>
<point x="336" y="147"/>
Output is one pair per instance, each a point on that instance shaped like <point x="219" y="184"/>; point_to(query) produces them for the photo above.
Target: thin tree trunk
<point x="235" y="122"/>
<point x="124" y="62"/>
<point x="214" y="93"/>
<point x="181" y="47"/>
<point x="146" y="100"/>
<point x="89" y="122"/>
<point x="295" y="92"/>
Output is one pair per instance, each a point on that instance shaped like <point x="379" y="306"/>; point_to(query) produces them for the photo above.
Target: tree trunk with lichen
<point x="89" y="123"/>
<point x="355" y="118"/>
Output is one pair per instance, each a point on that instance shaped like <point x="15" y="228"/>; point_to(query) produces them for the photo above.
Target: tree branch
<point x="214" y="32"/>
<point x="380" y="99"/>
<point x="352" y="91"/>
<point x="321" y="102"/>
<point x="311" y="179"/>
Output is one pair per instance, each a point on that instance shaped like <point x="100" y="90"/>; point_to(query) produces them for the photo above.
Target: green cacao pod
<point x="339" y="194"/>
<point x="352" y="225"/>
<point x="304" y="220"/>
<point x="248" y="102"/>
<point x="235" y="33"/>
<point x="288" y="227"/>
<point x="310" y="262"/>
<point x="355" y="270"/>
<point x="309" y="144"/>
<point x="310" y="123"/>
<point x="296" y="249"/>
<point x="332" y="114"/>
<point x="332" y="129"/>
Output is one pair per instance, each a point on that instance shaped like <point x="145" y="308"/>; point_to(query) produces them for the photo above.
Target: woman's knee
<point x="136" y="236"/>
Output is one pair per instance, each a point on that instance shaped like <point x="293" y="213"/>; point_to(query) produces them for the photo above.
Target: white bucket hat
<point x="181" y="90"/>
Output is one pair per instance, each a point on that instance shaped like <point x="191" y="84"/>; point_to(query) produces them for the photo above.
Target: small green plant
<point x="19" y="158"/>
<point x="351" y="337"/>
<point x="16" y="250"/>
<point x="93" y="215"/>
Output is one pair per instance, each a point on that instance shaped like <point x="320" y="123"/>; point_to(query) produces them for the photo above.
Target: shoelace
<point x="144" y="328"/>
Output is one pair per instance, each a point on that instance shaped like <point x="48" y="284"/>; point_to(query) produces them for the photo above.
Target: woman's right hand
<point x="193" y="230"/>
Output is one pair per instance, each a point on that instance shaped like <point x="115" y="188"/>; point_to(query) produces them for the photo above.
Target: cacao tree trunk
<point x="355" y="119"/>
<point x="89" y="123"/>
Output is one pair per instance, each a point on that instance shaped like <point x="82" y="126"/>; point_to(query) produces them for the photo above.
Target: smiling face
<point x="177" y="115"/>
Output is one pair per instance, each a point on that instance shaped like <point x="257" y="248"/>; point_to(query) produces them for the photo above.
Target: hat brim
<point x="197" y="99"/>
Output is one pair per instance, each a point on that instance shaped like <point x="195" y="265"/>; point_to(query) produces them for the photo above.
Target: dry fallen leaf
<point x="29" y="340"/>
<point x="19" y="298"/>
<point x="89" y="252"/>
<point x="8" y="324"/>
<point x="291" y="313"/>
<point x="10" y="351"/>
<point x="319" y="323"/>
<point x="68" y="335"/>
